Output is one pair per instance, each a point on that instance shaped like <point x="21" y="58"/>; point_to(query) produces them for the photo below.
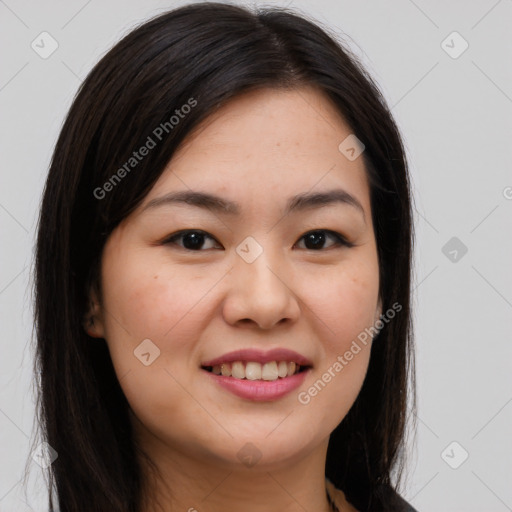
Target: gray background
<point x="455" y="114"/>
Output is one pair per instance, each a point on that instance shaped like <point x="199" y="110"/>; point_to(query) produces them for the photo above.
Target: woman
<point x="223" y="275"/>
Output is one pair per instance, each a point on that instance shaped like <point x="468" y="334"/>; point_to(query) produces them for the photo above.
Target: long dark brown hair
<point x="210" y="52"/>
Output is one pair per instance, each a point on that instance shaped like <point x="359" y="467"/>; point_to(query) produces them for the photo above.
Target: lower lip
<point x="260" y="390"/>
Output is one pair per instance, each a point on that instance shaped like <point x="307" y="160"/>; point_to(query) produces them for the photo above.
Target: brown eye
<point x="315" y="240"/>
<point x="192" y="240"/>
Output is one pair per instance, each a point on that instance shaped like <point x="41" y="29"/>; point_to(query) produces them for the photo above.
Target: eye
<point x="194" y="239"/>
<point x="315" y="240"/>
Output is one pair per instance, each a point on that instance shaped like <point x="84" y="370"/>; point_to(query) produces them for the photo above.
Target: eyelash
<point x="341" y="240"/>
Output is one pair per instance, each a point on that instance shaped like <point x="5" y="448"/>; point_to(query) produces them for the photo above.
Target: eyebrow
<point x="299" y="202"/>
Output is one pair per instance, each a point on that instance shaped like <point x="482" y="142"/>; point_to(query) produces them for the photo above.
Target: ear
<point x="93" y="318"/>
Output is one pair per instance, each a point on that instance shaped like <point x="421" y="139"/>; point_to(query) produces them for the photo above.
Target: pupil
<point x="195" y="240"/>
<point x="317" y="238"/>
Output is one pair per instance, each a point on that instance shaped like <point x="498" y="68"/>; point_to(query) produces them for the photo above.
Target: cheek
<point x="345" y="302"/>
<point x="155" y="301"/>
<point x="150" y="299"/>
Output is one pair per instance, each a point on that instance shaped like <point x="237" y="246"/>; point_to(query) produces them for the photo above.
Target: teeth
<point x="253" y="371"/>
<point x="237" y="370"/>
<point x="282" y="369"/>
<point x="269" y="371"/>
<point x="256" y="371"/>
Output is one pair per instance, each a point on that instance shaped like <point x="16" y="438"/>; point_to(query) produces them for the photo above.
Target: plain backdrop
<point x="454" y="108"/>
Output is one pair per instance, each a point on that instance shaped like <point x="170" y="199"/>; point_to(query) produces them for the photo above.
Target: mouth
<point x="253" y="370"/>
<point x="252" y="374"/>
<point x="255" y="364"/>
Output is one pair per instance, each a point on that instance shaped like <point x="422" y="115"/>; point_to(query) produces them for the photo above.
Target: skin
<point x="259" y="149"/>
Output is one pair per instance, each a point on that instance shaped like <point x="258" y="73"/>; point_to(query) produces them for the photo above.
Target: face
<point x="185" y="284"/>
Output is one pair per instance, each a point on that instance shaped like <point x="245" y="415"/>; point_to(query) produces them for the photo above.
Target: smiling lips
<point x="254" y="364"/>
<point x="257" y="375"/>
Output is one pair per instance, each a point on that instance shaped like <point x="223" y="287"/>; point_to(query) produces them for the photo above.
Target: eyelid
<point x="342" y="241"/>
<point x="169" y="240"/>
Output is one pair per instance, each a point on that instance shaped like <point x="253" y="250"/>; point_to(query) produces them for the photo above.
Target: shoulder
<point x="338" y="498"/>
<point x="407" y="507"/>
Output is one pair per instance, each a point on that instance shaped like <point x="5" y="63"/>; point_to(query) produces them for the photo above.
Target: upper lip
<point x="260" y="356"/>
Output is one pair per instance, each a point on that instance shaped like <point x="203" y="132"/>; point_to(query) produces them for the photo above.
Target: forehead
<point x="264" y="144"/>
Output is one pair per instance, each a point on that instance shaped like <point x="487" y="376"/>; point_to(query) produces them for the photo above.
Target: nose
<point x="260" y="294"/>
